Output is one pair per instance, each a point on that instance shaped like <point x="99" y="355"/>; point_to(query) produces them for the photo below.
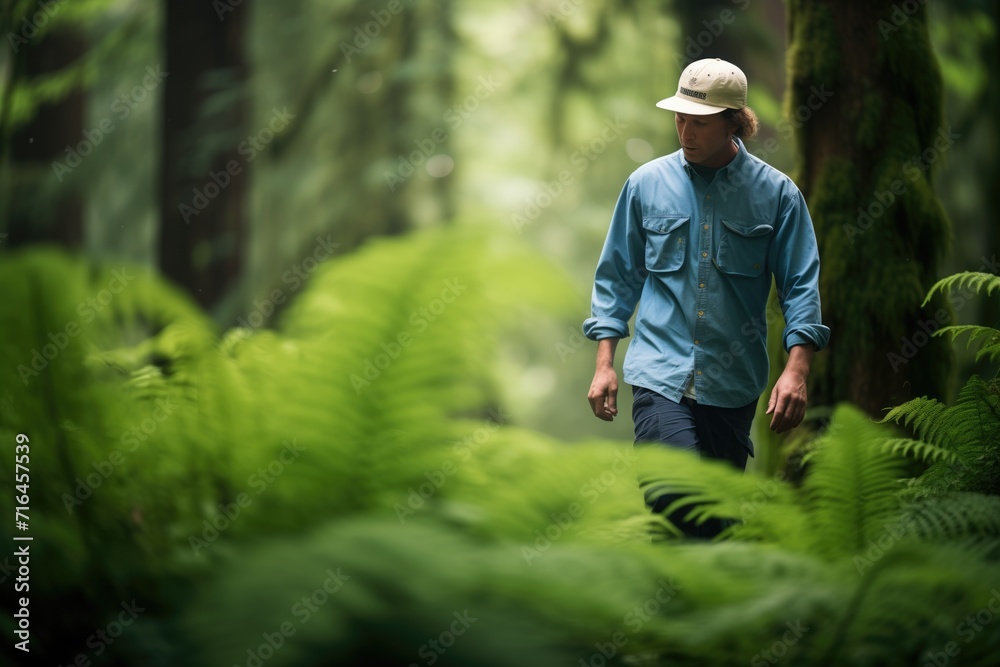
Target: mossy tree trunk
<point x="865" y="94"/>
<point x="41" y="202"/>
<point x="202" y="183"/>
<point x="989" y="309"/>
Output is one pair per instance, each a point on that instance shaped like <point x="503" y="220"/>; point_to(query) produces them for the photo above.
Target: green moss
<point x="915" y="75"/>
<point x="881" y="231"/>
<point x="869" y="120"/>
<point x="814" y="54"/>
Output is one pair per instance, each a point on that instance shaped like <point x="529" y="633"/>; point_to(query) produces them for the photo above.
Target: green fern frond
<point x="886" y="630"/>
<point x="918" y="449"/>
<point x="990" y="348"/>
<point x="848" y="495"/>
<point x="851" y="486"/>
<point x="971" y="280"/>
<point x="766" y="509"/>
<point x="970" y="429"/>
<point x="955" y="515"/>
<point x="990" y="352"/>
<point x="925" y="416"/>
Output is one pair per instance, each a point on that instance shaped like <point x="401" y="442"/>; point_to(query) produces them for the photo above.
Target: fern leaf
<point x="990" y="348"/>
<point x="705" y="489"/>
<point x="972" y="280"/>
<point x="970" y="429"/>
<point x="919" y="449"/>
<point x="852" y="484"/>
<point x="925" y="416"/>
<point x="955" y="515"/>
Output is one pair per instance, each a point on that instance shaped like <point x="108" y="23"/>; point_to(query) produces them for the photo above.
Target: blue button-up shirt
<point x="699" y="258"/>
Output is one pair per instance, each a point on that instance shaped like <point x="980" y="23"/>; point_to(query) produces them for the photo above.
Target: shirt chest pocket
<point x="666" y="242"/>
<point x="743" y="247"/>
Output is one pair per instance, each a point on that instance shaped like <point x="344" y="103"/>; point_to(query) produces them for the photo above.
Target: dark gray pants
<point x="713" y="432"/>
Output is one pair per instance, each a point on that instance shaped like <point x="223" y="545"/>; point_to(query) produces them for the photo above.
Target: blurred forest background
<point x="294" y="182"/>
<point x="116" y="116"/>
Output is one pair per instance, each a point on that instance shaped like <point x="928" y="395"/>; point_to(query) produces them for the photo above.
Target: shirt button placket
<point x="705" y="244"/>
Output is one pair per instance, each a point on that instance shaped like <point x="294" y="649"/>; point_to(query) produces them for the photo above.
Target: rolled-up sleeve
<point x="795" y="258"/>
<point x="621" y="271"/>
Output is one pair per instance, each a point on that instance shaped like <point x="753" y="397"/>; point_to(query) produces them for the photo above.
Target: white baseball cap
<point x="708" y="86"/>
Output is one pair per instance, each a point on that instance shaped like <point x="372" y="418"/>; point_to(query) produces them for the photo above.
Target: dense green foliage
<point x="959" y="494"/>
<point x="360" y="454"/>
<point x="371" y="499"/>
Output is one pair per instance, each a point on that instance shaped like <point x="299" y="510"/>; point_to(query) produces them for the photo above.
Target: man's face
<point x="706" y="140"/>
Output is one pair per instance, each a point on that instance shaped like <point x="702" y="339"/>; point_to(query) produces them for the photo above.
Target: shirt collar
<point x="734" y="165"/>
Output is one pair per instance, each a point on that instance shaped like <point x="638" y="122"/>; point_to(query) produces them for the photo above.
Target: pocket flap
<point x="748" y="228"/>
<point x="663" y="225"/>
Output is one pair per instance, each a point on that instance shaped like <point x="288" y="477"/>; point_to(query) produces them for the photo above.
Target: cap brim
<point x="681" y="105"/>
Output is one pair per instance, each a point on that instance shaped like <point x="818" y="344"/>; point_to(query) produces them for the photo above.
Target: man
<point x="695" y="238"/>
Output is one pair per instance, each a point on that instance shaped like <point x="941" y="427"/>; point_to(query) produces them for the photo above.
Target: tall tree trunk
<point x="202" y="227"/>
<point x="989" y="313"/>
<point x="704" y="27"/>
<point x="40" y="203"/>
<point x="865" y="97"/>
<point x="446" y="45"/>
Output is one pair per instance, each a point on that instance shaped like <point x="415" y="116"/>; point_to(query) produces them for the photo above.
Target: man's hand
<point x="603" y="394"/>
<point x="787" y="405"/>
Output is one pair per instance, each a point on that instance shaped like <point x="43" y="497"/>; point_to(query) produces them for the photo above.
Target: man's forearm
<point x="800" y="359"/>
<point x="606" y="352"/>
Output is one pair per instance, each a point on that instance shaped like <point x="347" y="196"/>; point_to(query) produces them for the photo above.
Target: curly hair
<point x="745" y="121"/>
